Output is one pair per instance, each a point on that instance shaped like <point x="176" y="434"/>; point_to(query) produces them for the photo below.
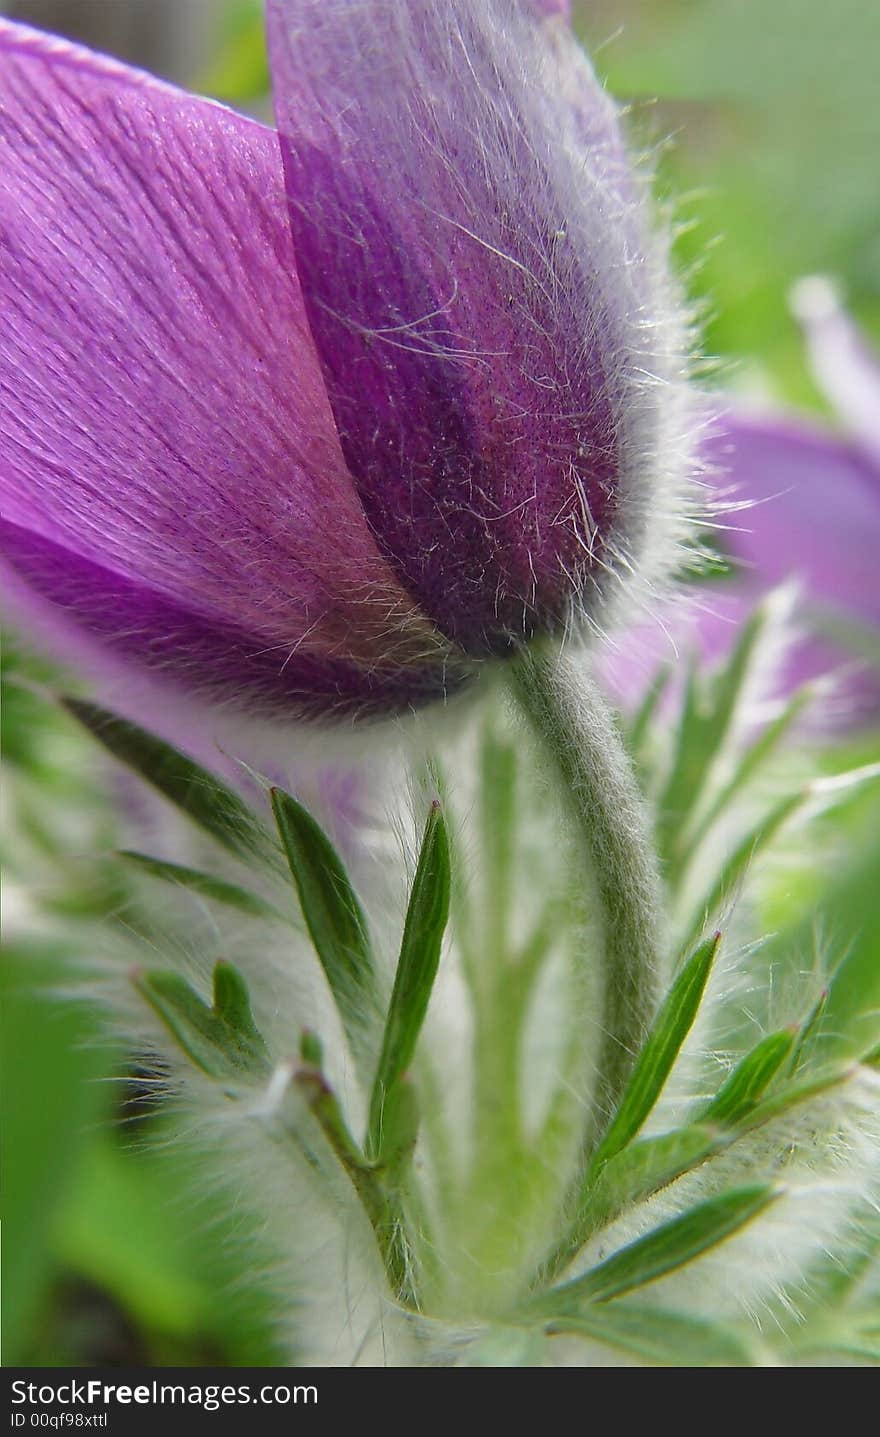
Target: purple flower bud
<point x="324" y="436"/>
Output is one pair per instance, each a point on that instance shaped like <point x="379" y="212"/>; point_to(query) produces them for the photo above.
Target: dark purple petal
<point x="163" y="421"/>
<point x="205" y="652"/>
<point x="479" y="287"/>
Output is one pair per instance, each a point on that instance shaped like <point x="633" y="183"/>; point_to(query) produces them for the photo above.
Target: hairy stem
<point x="576" y="728"/>
<point x="381" y="1206"/>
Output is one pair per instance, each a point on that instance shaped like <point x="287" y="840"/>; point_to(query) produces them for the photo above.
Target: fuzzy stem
<point x="575" y="725"/>
<point x="380" y="1205"/>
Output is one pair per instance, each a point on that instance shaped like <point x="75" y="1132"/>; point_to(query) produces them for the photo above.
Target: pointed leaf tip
<point x="311" y="1049"/>
<point x="426" y="918"/>
<point x="222" y="1040"/>
<point x="663" y="1250"/>
<point x="750" y="1079"/>
<point x="332" y="913"/>
<point x="201" y="795"/>
<point x="205" y="885"/>
<point x="659" y="1053"/>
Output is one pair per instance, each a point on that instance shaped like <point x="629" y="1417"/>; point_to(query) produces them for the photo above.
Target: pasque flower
<point x="320" y="419"/>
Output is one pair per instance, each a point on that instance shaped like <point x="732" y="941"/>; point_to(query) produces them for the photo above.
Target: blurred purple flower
<point x="807" y="509"/>
<point x="320" y="426"/>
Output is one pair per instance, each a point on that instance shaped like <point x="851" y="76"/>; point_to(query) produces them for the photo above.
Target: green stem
<point x="381" y="1205"/>
<point x="575" y="725"/>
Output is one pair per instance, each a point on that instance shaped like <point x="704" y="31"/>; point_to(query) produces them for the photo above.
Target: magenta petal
<point x="163" y="414"/>
<point x="469" y="246"/>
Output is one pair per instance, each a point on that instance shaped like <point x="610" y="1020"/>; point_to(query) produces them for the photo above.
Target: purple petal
<point x="846" y="368"/>
<point x="814" y="515"/>
<point x="167" y="453"/>
<point x="204" y="651"/>
<point x="551" y="7"/>
<point x="470" y="245"/>
<point x="811" y="515"/>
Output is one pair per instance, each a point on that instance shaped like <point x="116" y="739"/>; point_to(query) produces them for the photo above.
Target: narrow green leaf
<point x="202" y="796"/>
<point x="682" y="781"/>
<point x="749" y="1080"/>
<point x="232" y="1006"/>
<point x="657" y="1335"/>
<point x="400" y="1129"/>
<point x="809" y="1029"/>
<point x="221" y="1040"/>
<point x="660" y="1052"/>
<point x="735" y="867"/>
<point x="331" y="911"/>
<point x="311" y="1049"/>
<point x="637" y="1172"/>
<point x="187" y="1018"/>
<point x="707" y="722"/>
<point x="791" y="1096"/>
<point x="642" y="1168"/>
<point x="637" y="729"/>
<point x="426" y="918"/>
<point x="205" y="884"/>
<point x="661" y="1251"/>
<point x="749" y="764"/>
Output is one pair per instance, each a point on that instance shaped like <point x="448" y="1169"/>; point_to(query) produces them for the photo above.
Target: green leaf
<point x="751" y="762"/>
<point x="791" y="1096"/>
<point x="232" y="1006"/>
<point x="661" y="1251"/>
<point x="399" y="1130"/>
<point x="221" y="1040"/>
<point x="426" y="918"/>
<point x="115" y="1235"/>
<point x="636" y="731"/>
<point x="661" y="1049"/>
<point x="851" y="1022"/>
<point x="805" y="1040"/>
<point x="708" y="719"/>
<point x="332" y="913"/>
<point x="311" y="1049"/>
<point x="749" y="1080"/>
<point x="735" y="867"/>
<point x="642" y="1168"/>
<point x="706" y="728"/>
<point x="202" y="796"/>
<point x="655" y="1334"/>
<point x="205" y="884"/>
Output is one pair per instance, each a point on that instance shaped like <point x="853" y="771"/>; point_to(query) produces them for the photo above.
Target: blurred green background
<point x="764" y="119"/>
